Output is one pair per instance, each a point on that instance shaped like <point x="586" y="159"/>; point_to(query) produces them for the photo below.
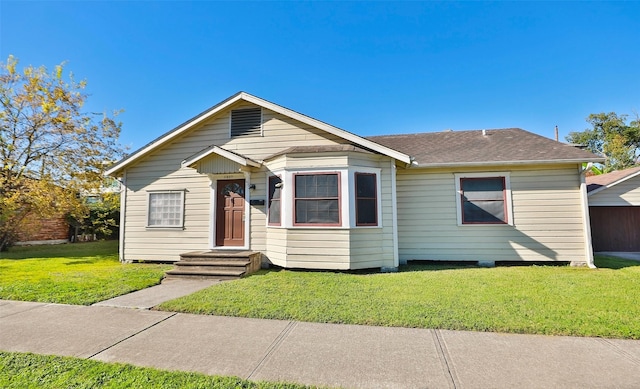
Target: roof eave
<point x="498" y="163"/>
<point x="244" y="161"/>
<point x="603" y="187"/>
<point x="330" y="129"/>
<point x="121" y="165"/>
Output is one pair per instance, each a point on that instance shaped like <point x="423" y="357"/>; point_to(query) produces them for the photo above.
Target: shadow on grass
<point x="601" y="261"/>
<point x="102" y="250"/>
<point x="608" y="262"/>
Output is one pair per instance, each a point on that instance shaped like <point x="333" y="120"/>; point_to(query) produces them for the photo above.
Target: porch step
<point x="216" y="264"/>
<point x="220" y="274"/>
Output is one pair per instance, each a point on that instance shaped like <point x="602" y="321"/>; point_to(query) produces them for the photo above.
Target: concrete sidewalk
<point x="148" y="298"/>
<point x="318" y="354"/>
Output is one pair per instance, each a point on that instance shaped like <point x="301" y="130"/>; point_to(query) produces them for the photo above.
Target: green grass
<point x="23" y="370"/>
<point x="551" y="300"/>
<point x="81" y="273"/>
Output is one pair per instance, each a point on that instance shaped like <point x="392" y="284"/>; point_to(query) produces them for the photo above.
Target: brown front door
<point x="230" y="213"/>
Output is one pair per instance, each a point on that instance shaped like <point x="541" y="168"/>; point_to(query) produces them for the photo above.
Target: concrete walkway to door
<point x="333" y="355"/>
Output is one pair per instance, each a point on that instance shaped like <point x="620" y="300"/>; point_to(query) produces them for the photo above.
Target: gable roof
<point x="603" y="181"/>
<point x="483" y="147"/>
<point x="235" y="157"/>
<point x="243" y="96"/>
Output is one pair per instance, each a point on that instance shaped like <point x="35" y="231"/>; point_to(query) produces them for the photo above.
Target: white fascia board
<point x="329" y="128"/>
<point x="630" y="176"/>
<point x="497" y="163"/>
<point x="224" y="154"/>
<point x="268" y="105"/>
<point x="173" y="133"/>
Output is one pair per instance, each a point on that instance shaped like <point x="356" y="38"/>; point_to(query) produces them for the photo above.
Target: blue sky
<point x="367" y="67"/>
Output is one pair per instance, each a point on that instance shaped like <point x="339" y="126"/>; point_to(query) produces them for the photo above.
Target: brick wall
<point x="35" y="229"/>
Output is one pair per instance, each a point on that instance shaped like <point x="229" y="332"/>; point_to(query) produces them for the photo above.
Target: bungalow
<point x="248" y="174"/>
<point x="614" y="208"/>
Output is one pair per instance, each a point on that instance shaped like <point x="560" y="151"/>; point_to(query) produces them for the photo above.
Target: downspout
<point x="123" y="213"/>
<point x="588" y="246"/>
<point x="394" y="213"/>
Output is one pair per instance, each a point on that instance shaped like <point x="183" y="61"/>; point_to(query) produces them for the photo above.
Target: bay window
<point x="316" y="199"/>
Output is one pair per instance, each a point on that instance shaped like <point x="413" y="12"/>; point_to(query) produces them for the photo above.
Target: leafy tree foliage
<point x="101" y="221"/>
<point x="613" y="138"/>
<point x="52" y="152"/>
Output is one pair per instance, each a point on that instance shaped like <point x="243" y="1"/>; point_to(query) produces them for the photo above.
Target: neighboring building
<point x="52" y="230"/>
<point x="614" y="206"/>
<point x="249" y="174"/>
<point x="58" y="228"/>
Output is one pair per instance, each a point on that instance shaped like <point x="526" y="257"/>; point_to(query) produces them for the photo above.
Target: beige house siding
<point x="547" y="217"/>
<point x="335" y="248"/>
<point x="161" y="170"/>
<point x="623" y="194"/>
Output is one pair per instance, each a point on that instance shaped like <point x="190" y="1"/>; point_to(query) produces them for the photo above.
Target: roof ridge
<point x="448" y="131"/>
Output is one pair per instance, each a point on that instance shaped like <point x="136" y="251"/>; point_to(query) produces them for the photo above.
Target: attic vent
<point x="246" y="122"/>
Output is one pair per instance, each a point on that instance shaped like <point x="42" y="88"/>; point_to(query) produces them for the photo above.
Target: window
<point x="317" y="199"/>
<point x="246" y="121"/>
<point x="275" y="202"/>
<point x="483" y="200"/>
<point x="166" y="209"/>
<point x="366" y="199"/>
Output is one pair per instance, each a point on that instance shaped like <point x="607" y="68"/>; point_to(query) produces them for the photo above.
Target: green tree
<point x="52" y="152"/>
<point x="612" y="137"/>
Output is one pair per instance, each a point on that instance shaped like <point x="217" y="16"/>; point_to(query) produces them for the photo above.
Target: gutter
<point x="588" y="246"/>
<point x="427" y="165"/>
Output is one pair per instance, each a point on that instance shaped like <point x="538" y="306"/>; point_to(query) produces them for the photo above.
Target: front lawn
<point x="550" y="300"/>
<point x="23" y="370"/>
<point x="80" y="273"/>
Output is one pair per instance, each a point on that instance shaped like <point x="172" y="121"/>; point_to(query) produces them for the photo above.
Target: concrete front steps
<point x="216" y="264"/>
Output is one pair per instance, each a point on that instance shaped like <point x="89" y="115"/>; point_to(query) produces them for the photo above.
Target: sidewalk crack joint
<point x="273" y="347"/>
<point x="132" y="335"/>
<point x="621" y="351"/>
<point x="445" y="359"/>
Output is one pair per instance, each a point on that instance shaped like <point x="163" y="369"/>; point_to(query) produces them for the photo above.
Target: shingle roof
<point x="318" y="149"/>
<point x="483" y="147"/>
<point x="595" y="182"/>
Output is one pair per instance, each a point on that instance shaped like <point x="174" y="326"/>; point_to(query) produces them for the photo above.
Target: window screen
<point x="317" y="199"/>
<point x="483" y="200"/>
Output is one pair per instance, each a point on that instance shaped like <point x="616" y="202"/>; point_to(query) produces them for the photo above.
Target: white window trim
<point x="508" y="200"/>
<point x="182" y="209"/>
<point x="352" y="189"/>
<point x="347" y="196"/>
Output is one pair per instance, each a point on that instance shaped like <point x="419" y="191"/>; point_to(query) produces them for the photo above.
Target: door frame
<point x="214" y="206"/>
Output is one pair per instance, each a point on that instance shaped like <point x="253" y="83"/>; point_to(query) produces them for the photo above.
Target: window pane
<point x="482" y="184"/>
<point x="274" y="212"/>
<point x="274" y="193"/>
<point x="365" y="185"/>
<point x="316" y="185"/>
<point x="165" y="209"/>
<point x="274" y="200"/>
<point x="366" y="211"/>
<point x="317" y="211"/>
<point x="316" y="199"/>
<point x="483" y="200"/>
<point x="484" y="212"/>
